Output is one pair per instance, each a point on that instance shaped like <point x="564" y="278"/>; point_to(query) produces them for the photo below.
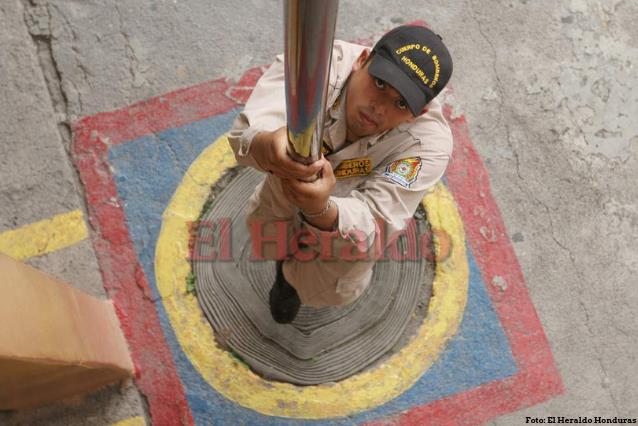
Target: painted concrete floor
<point x="544" y="175"/>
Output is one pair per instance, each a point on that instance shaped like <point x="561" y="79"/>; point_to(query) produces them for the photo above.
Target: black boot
<point x="284" y="301"/>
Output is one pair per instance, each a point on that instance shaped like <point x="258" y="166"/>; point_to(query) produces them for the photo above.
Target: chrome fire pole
<point x="309" y="33"/>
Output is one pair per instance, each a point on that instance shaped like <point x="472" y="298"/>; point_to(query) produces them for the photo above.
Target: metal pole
<point x="309" y="33"/>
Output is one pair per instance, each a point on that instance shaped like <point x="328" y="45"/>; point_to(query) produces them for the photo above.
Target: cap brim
<point x="387" y="71"/>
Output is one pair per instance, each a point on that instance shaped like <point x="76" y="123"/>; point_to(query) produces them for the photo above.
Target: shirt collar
<point x="338" y="108"/>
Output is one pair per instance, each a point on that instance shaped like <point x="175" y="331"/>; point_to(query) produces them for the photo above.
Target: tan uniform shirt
<point x="385" y="181"/>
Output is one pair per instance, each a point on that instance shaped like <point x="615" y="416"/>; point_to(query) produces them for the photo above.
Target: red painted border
<point x="174" y="109"/>
<point x="124" y="280"/>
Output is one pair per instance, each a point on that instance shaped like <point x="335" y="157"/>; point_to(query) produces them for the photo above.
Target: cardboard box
<point x="55" y="340"/>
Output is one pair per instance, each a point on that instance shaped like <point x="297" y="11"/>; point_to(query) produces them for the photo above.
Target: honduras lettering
<point x="414" y="67"/>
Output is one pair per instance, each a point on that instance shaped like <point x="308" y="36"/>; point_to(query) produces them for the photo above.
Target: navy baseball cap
<point x="414" y="61"/>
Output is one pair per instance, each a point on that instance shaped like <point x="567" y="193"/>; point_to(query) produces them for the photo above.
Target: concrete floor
<point x="549" y="90"/>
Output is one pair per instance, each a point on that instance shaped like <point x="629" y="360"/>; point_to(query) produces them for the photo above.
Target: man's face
<point x="372" y="106"/>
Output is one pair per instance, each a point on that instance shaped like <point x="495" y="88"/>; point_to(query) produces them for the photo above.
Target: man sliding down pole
<point x="385" y="144"/>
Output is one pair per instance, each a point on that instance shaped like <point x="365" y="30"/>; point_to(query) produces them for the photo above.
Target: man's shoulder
<point x="346" y="53"/>
<point x="429" y="132"/>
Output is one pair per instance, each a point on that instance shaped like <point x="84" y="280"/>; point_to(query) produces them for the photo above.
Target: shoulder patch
<point x="404" y="171"/>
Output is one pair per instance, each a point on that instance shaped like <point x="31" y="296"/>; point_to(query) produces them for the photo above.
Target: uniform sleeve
<point x="394" y="189"/>
<point x="265" y="110"/>
<point x="384" y="198"/>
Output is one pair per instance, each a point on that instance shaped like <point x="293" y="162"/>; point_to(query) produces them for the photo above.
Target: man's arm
<point x="265" y="111"/>
<point x="258" y="136"/>
<point x="385" y="196"/>
<point x="313" y="198"/>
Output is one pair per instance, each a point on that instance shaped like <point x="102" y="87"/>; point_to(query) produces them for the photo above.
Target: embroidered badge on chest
<point x="404" y="172"/>
<point x="354" y="167"/>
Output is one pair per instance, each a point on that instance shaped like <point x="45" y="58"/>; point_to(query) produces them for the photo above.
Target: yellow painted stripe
<point x="133" y="421"/>
<point x="238" y="383"/>
<point x="44" y="237"/>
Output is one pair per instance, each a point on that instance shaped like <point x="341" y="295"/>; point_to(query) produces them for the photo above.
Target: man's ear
<point x="361" y="60"/>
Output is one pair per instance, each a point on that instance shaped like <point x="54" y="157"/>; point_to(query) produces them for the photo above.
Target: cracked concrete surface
<point x="37" y="181"/>
<point x="562" y="153"/>
<point x="549" y="89"/>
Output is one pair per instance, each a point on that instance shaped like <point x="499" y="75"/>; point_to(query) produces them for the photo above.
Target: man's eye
<point x="401" y="104"/>
<point x="379" y="83"/>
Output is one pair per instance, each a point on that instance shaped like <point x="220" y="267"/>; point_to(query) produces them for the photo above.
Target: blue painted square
<point x="148" y="170"/>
